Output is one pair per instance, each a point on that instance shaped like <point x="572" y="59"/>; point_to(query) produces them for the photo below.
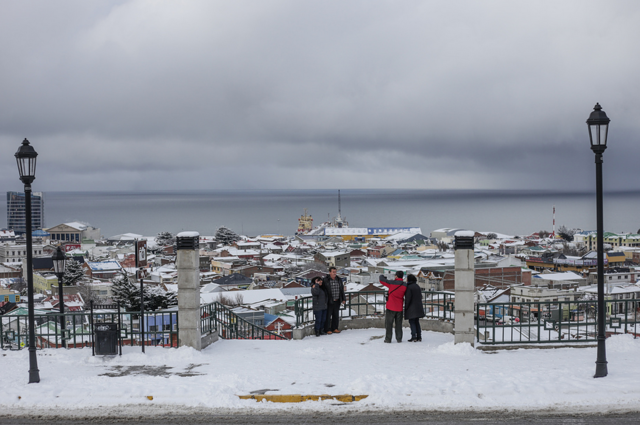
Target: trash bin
<point x="106" y="339"/>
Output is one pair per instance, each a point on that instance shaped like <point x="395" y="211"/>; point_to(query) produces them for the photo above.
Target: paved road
<point x="406" y="418"/>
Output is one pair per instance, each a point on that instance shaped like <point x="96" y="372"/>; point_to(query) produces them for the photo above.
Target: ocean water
<point x="277" y="211"/>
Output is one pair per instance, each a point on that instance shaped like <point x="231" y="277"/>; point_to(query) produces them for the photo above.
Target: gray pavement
<point x="433" y="418"/>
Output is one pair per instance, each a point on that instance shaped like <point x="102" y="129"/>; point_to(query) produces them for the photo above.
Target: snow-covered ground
<point x="432" y="375"/>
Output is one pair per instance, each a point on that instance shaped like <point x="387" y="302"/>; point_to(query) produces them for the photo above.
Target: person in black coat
<point x="335" y="290"/>
<point x="413" y="309"/>
<point x="319" y="298"/>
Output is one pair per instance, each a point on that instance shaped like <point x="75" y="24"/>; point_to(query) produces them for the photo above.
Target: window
<point x="153" y="328"/>
<point x="619" y="277"/>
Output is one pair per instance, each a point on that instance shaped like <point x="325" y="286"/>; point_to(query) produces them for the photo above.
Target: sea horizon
<point x="260" y="211"/>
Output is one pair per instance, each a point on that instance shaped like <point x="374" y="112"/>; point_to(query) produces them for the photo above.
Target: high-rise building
<point x="16" y="211"/>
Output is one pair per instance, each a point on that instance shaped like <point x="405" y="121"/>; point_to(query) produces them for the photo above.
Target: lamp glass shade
<point x="26" y="159"/>
<point x="598" y="124"/>
<point x="59" y="260"/>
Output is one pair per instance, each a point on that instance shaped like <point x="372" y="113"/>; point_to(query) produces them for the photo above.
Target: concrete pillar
<point x="464" y="288"/>
<point x="187" y="265"/>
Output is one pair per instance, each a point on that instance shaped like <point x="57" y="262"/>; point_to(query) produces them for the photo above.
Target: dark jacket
<point x="413" y="308"/>
<point x="396" y="292"/>
<point x="327" y="285"/>
<point x="320" y="297"/>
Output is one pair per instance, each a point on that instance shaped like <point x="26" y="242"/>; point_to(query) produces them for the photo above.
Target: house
<point x="305" y="278"/>
<point x="102" y="269"/>
<point x="7" y="235"/>
<point x="72" y="302"/>
<point x="234" y="281"/>
<point x="12" y="253"/>
<point x="278" y="325"/>
<point x="43" y="282"/>
<point x="616" y="258"/>
<point x="250" y="271"/>
<point x="8" y="272"/>
<point x="334" y="258"/>
<point x="9" y="296"/>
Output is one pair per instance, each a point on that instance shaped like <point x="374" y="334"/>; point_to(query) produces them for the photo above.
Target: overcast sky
<point x="153" y="95"/>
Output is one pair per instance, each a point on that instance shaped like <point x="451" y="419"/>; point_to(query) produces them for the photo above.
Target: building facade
<point x="16" y="211"/>
<point x="12" y="253"/>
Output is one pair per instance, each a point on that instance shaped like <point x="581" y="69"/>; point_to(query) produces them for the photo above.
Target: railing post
<point x="187" y="264"/>
<point x="464" y="288"/>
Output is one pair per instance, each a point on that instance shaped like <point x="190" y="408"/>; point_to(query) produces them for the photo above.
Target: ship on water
<point x="339" y="227"/>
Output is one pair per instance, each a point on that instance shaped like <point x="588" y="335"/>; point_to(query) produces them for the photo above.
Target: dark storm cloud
<point x="167" y="95"/>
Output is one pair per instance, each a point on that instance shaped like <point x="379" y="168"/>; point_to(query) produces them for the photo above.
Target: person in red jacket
<point x="395" y="305"/>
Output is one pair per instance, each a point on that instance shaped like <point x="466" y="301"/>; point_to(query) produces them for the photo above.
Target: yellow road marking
<point x="297" y="398"/>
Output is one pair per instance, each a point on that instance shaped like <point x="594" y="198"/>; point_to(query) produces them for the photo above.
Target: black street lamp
<point x="598" y="124"/>
<point x="26" y="158"/>
<point x="59" y="260"/>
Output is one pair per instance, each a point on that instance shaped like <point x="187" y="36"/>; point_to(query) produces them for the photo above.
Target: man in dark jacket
<point x="319" y="297"/>
<point x="335" y="289"/>
<point x="413" y="309"/>
<point x="393" y="314"/>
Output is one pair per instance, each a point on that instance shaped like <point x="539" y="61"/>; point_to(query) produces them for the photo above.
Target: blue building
<point x="16" y="211"/>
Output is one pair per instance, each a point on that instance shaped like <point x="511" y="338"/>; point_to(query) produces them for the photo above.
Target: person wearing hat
<point x="413" y="309"/>
<point x="319" y="299"/>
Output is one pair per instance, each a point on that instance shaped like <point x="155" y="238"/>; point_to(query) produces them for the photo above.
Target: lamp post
<point x="598" y="124"/>
<point x="26" y="159"/>
<point x="59" y="260"/>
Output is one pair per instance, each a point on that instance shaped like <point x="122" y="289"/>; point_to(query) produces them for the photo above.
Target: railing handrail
<point x="552" y="321"/>
<point x="216" y="306"/>
<point x="14" y="328"/>
<point x="444" y="303"/>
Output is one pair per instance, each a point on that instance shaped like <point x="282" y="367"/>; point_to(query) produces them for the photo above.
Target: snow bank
<point x="432" y="375"/>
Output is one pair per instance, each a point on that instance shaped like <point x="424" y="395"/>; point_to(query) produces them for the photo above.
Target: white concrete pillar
<point x="187" y="264"/>
<point x="464" y="288"/>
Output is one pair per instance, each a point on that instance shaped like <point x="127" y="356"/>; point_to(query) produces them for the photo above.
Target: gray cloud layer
<point x="147" y="94"/>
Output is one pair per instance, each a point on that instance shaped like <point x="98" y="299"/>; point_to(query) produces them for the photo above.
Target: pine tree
<point x="73" y="273"/>
<point x="165" y="239"/>
<point x="566" y="234"/>
<point x="125" y="292"/>
<point x="155" y="298"/>
<point x="226" y="236"/>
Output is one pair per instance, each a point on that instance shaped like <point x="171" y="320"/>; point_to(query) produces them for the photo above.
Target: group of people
<point x="328" y="295"/>
<point x="404" y="299"/>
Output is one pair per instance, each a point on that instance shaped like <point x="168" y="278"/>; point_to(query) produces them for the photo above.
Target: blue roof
<point x="268" y="318"/>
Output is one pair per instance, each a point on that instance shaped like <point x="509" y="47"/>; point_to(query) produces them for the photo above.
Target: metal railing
<point x="437" y="305"/>
<point x="217" y="317"/>
<point x="161" y="329"/>
<point x="552" y="321"/>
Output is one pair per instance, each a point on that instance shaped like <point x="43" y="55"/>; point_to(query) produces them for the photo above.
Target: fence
<point x="217" y="317"/>
<point x="437" y="305"/>
<point x="160" y="329"/>
<point x="552" y="321"/>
